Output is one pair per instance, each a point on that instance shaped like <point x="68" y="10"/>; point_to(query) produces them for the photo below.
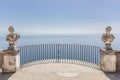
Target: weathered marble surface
<point x="118" y="60"/>
<point x="11" y="61"/>
<point x="111" y="52"/>
<point x="1" y="58"/>
<point x="109" y="63"/>
<point x="108" y="60"/>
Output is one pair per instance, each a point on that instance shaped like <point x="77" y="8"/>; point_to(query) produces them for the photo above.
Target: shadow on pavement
<point x="5" y="76"/>
<point x="113" y="76"/>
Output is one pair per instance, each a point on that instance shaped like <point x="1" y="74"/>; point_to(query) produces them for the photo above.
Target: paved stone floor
<point x="59" y="71"/>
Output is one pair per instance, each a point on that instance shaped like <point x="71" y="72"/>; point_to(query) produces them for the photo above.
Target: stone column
<point x="108" y="60"/>
<point x="11" y="60"/>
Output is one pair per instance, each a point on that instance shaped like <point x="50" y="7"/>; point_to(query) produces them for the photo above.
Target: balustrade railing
<point x="59" y="52"/>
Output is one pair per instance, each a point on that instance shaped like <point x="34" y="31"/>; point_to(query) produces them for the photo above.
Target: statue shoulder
<point x="8" y="35"/>
<point x="112" y="35"/>
<point x="104" y="34"/>
<point x="17" y="35"/>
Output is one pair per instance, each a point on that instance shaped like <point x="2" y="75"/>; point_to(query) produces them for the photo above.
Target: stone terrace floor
<point x="59" y="71"/>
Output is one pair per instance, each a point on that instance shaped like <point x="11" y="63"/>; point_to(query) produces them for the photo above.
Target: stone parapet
<point x="110" y="60"/>
<point x="11" y="60"/>
<point x="1" y="58"/>
<point x="118" y="60"/>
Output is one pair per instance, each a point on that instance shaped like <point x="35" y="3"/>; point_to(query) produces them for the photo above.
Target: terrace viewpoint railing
<point x="59" y="52"/>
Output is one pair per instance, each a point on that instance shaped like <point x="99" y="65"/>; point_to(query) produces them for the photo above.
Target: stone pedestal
<point x="118" y="60"/>
<point x="11" y="60"/>
<point x="1" y="58"/>
<point x="108" y="60"/>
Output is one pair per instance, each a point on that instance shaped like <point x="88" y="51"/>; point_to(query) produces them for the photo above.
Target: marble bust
<point x="108" y="38"/>
<point x="12" y="38"/>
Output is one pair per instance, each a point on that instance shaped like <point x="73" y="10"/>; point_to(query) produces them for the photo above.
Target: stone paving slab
<point x="53" y="61"/>
<point x="58" y="71"/>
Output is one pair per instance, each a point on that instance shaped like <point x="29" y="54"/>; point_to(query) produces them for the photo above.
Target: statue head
<point x="108" y="29"/>
<point x="11" y="29"/>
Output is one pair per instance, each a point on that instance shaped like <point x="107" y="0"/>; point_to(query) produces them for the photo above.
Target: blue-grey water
<point x="85" y="39"/>
<point x="32" y="53"/>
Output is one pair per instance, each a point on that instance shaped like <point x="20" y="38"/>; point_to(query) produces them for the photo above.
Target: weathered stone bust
<point x="12" y="38"/>
<point x="108" y="38"/>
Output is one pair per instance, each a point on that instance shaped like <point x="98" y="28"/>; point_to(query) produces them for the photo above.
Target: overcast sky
<point x="59" y="16"/>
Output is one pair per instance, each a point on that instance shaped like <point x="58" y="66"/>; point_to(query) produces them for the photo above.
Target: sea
<point x="83" y="39"/>
<point x="30" y="54"/>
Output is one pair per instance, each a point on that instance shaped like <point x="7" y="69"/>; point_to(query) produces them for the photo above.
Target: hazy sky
<point x="59" y="16"/>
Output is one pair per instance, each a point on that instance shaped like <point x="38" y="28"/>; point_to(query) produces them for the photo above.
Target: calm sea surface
<point x="85" y="39"/>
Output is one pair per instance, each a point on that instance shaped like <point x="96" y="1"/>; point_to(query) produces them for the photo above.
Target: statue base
<point x="118" y="60"/>
<point x="11" y="60"/>
<point x="108" y="60"/>
<point x="1" y="58"/>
